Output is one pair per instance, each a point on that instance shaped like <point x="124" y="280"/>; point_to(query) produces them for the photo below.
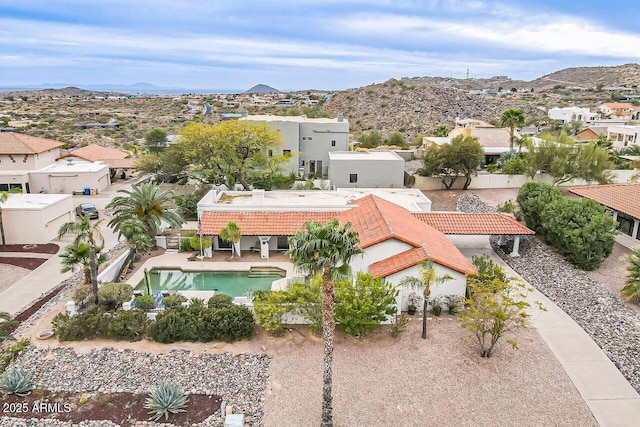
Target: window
<point x="302" y="164"/>
<point x="306" y="138"/>
<point x="287" y="153"/>
<point x="626" y="224"/>
<point x="270" y="153"/>
<point x="353" y="178"/>
<point x="333" y="142"/>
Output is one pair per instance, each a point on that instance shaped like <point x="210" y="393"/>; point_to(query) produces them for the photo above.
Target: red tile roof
<point x="376" y="220"/>
<point x="18" y="143"/>
<point x="473" y="223"/>
<point x="95" y="152"/>
<point x="262" y="223"/>
<point x="623" y="198"/>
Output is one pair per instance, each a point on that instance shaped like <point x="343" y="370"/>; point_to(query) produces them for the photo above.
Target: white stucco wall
<point x="377" y="253"/>
<point x="57" y="179"/>
<point x="35" y="218"/>
<point x="28" y="161"/>
<point x="370" y="172"/>
<point x="316" y="142"/>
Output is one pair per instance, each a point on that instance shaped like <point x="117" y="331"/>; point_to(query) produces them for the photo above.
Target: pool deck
<point x="180" y="261"/>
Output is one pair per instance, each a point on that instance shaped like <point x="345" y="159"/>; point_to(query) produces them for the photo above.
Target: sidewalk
<point x="610" y="397"/>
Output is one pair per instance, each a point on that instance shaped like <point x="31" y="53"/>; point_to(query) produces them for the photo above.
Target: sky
<point x="306" y="44"/>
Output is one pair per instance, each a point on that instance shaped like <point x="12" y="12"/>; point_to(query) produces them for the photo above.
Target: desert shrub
<point x="581" y="230"/>
<point x="185" y="245"/>
<point x="171" y="326"/>
<point x="219" y="301"/>
<point x="232" y="323"/>
<point x="188" y="204"/>
<point x="532" y="199"/>
<point x="514" y="166"/>
<point x="85" y="325"/>
<point x="269" y="306"/>
<point x="362" y="305"/>
<point x="81" y="294"/>
<point x="9" y="354"/>
<point x="145" y="302"/>
<point x="194" y="242"/>
<point x="173" y="301"/>
<point x="130" y="325"/>
<point x="400" y="325"/>
<point x="492" y="168"/>
<point x="112" y="295"/>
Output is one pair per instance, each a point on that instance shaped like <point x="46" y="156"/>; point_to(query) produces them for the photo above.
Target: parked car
<point x="87" y="209"/>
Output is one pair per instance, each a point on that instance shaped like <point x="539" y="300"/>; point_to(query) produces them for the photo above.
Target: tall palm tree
<point x="512" y="118"/>
<point x="428" y="277"/>
<point x="146" y="203"/>
<point x="89" y="233"/>
<point x="231" y="233"/>
<point x="631" y="288"/>
<point x="135" y="232"/>
<point x="326" y="250"/>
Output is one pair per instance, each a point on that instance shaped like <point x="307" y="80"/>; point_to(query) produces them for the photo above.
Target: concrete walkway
<point x="612" y="400"/>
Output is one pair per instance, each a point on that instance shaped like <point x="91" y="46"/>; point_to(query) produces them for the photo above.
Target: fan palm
<point x="135" y="232"/>
<point x="326" y="250"/>
<point x="86" y="232"/>
<point x="231" y="233"/>
<point x="146" y="203"/>
<point x="5" y="322"/>
<point x="512" y="118"/>
<point x="428" y="277"/>
<point x="78" y="254"/>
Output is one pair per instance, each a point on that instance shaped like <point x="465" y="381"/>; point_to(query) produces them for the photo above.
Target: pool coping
<point x="181" y="261"/>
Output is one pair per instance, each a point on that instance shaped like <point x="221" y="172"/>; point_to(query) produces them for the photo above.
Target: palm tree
<point x="145" y="203"/>
<point x="135" y="232"/>
<point x="428" y="278"/>
<point x="78" y="254"/>
<point x="231" y="233"/>
<point x="86" y="232"/>
<point x="326" y="250"/>
<point x="512" y="118"/>
<point x="631" y="288"/>
<point x="5" y="322"/>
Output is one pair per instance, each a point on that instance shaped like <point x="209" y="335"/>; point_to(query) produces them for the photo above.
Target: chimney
<point x="340" y="117"/>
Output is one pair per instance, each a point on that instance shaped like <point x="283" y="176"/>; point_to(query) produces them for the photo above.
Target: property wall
<point x="110" y="273"/>
<point x="315" y="142"/>
<point x="371" y="173"/>
<point x="487" y="180"/>
<point x="36" y="226"/>
<point x="68" y="182"/>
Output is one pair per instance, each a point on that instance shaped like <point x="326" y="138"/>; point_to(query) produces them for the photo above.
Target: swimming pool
<point x="232" y="283"/>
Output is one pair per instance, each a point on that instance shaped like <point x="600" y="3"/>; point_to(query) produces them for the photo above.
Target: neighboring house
<point x="620" y="110"/>
<point x="494" y="141"/>
<point x="69" y="176"/>
<point x="118" y="161"/>
<point x="366" y="169"/>
<point x="623" y="136"/>
<point x="572" y="114"/>
<point x="622" y="202"/>
<point x="592" y="133"/>
<point x="21" y="154"/>
<point x="395" y="235"/>
<point x="35" y="218"/>
<point x="308" y="141"/>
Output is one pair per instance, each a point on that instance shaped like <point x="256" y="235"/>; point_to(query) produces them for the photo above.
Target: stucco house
<point x="307" y="140"/>
<point x="366" y="169"/>
<point x="118" y="161"/>
<point x="572" y="114"/>
<point x="35" y="218"/>
<point x="396" y="229"/>
<point x="620" y="110"/>
<point x="20" y="154"/>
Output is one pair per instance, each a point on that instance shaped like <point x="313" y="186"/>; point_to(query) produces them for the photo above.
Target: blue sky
<point x="314" y="44"/>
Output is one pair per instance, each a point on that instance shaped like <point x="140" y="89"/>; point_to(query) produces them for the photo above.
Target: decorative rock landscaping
<point x="240" y="380"/>
<point x="604" y="316"/>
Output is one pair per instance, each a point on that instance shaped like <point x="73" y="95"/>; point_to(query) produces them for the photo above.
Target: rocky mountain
<point x="627" y="75"/>
<point x="260" y="88"/>
<point x="401" y="105"/>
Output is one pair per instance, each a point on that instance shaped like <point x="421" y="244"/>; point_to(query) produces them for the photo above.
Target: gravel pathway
<point x="613" y="325"/>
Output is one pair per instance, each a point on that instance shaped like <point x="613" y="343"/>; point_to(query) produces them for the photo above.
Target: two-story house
<point x="308" y="141"/>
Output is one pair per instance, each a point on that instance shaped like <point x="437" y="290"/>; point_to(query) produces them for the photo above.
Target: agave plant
<point x="166" y="399"/>
<point x="16" y="382"/>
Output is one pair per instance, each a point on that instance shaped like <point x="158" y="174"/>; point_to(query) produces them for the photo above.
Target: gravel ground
<point x="407" y="381"/>
<point x="613" y="325"/>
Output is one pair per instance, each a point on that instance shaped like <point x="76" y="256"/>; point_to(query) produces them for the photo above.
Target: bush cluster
<point x="578" y="228"/>
<point x="112" y="295"/>
<point x="200" y="323"/>
<point x="94" y="322"/>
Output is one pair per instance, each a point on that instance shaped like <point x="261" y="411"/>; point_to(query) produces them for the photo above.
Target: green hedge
<point x="130" y="325"/>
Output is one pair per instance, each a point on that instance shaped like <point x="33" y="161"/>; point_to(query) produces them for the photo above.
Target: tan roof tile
<point x="624" y="198"/>
<point x="95" y="152"/>
<point x="18" y="143"/>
